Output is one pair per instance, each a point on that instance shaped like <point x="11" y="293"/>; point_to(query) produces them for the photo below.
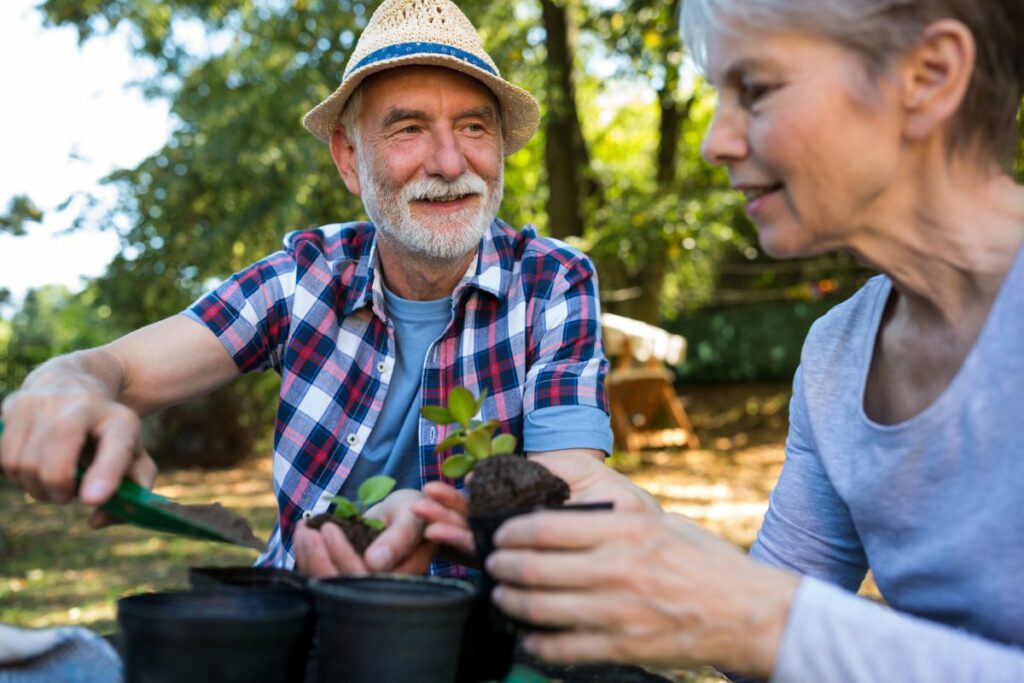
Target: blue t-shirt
<point x="933" y="505"/>
<point x="393" y="444"/>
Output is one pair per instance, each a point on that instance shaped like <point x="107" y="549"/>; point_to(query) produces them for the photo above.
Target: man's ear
<point x="344" y="154"/>
<point x="935" y="76"/>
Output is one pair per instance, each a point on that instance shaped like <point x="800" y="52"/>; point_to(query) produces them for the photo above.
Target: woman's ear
<point x="935" y="76"/>
<point x="343" y="152"/>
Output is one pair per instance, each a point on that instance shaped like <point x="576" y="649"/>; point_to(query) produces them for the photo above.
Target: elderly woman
<point x="884" y="128"/>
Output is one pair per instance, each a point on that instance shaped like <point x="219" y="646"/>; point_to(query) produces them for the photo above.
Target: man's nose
<point x="446" y="159"/>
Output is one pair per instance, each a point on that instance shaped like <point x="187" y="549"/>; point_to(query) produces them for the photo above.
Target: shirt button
<point x="381" y="366"/>
<point x="351" y="439"/>
<point x="307" y="514"/>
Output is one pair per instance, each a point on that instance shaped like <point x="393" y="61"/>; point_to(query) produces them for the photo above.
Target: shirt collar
<point x="490" y="271"/>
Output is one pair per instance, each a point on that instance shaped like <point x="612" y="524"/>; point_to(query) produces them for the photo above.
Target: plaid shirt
<point x="525" y="328"/>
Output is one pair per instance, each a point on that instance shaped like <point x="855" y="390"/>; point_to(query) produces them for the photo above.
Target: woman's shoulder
<point x="845" y="335"/>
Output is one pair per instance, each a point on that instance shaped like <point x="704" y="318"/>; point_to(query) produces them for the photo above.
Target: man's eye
<point x="411" y="129"/>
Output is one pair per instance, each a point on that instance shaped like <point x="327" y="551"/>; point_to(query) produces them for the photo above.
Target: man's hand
<point x="101" y="394"/>
<point x="401" y="547"/>
<point x="591" y="481"/>
<point x="46" y="428"/>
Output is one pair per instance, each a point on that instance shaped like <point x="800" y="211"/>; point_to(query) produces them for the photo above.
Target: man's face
<point x="429" y="159"/>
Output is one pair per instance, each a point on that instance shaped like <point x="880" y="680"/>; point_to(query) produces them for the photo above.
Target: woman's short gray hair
<point x="879" y="30"/>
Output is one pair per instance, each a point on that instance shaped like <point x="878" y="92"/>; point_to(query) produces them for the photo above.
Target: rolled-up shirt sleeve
<point x="564" y="427"/>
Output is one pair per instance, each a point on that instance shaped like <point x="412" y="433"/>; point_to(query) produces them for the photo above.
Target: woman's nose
<point x="725" y="140"/>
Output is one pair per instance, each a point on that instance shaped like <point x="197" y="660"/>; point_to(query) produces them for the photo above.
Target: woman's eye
<point x="752" y="93"/>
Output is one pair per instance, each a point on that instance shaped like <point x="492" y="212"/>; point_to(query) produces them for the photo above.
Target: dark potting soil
<point x="219" y="518"/>
<point x="356" y="531"/>
<point x="507" y="482"/>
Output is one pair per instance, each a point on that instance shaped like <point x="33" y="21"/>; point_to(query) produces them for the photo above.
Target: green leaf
<point x="457" y="466"/>
<point x="478" y="443"/>
<point x="343" y="507"/>
<point x="503" y="443"/>
<point x="375" y="489"/>
<point x="437" y="414"/>
<point x="456" y="437"/>
<point x="480" y="401"/>
<point x="462" y="405"/>
<point x="375" y="523"/>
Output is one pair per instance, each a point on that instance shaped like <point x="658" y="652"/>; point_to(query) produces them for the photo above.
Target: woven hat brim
<point x="520" y="113"/>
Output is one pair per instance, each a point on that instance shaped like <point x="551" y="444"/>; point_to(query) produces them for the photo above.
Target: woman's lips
<point x="759" y="198"/>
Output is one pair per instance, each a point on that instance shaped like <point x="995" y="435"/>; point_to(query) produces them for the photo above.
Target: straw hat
<point x="426" y="32"/>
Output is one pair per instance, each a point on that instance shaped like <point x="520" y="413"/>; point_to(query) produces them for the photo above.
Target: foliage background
<point x="615" y="169"/>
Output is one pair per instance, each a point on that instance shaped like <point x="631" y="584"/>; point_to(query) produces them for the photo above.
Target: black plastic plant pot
<point x="483" y="528"/>
<point x="386" y="628"/>
<point x="245" y="578"/>
<point x="488" y="644"/>
<point x="258" y="637"/>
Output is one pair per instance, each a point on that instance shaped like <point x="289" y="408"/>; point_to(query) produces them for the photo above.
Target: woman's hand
<point x="445" y="509"/>
<point x="400" y="548"/>
<point x="640" y="588"/>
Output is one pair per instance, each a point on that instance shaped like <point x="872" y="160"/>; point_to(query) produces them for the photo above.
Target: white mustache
<point x="436" y="188"/>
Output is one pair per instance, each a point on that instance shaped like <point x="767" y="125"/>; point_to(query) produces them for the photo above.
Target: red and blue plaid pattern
<point x="525" y="328"/>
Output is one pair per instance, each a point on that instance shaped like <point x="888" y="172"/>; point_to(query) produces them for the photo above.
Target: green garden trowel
<point x="138" y="506"/>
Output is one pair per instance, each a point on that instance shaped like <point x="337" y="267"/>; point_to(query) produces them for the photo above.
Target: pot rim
<point x="565" y="507"/>
<point x="456" y="591"/>
<point x="174" y="605"/>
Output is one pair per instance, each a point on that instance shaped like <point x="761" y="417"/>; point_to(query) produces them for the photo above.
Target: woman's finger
<point x="561" y="609"/>
<point x="559" y="570"/>
<point x="571" y="530"/>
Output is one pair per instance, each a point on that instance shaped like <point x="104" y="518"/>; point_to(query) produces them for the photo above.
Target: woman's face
<point x="806" y="134"/>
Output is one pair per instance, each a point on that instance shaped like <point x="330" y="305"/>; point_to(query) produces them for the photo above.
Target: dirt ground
<point x="725" y="485"/>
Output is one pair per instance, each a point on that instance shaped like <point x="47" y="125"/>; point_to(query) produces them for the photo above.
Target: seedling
<point x="473" y="436"/>
<point x="370" y="492"/>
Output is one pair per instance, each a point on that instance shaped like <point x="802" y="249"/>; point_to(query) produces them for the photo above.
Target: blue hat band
<point x="419" y="48"/>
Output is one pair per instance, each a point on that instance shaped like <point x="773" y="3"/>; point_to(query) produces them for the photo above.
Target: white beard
<point x="389" y="207"/>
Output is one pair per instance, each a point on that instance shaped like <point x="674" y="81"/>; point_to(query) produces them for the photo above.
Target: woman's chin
<point x="786" y="243"/>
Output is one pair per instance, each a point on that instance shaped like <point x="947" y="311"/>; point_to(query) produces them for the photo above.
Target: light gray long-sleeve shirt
<point x="933" y="505"/>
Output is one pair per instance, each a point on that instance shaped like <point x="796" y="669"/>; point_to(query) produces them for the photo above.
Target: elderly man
<point x="365" y="322"/>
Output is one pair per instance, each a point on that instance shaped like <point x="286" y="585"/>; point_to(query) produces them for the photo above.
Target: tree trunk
<point x="673" y="114"/>
<point x="565" y="152"/>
